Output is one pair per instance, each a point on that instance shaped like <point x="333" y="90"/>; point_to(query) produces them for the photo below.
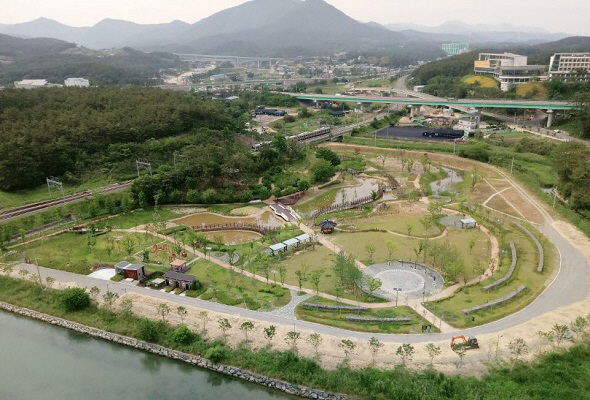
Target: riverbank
<point x="200" y="362"/>
<point x="505" y="380"/>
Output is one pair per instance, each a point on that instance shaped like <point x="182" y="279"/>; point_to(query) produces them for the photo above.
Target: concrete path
<point x="288" y="311"/>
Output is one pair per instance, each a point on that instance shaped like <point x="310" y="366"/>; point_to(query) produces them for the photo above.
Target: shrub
<point x="75" y="299"/>
<point x="117" y="278"/>
<point x="228" y="300"/>
<point x="208" y="295"/>
<point x="149" y="330"/>
<point x="251" y="304"/>
<point x="216" y="353"/>
<point x="183" y="335"/>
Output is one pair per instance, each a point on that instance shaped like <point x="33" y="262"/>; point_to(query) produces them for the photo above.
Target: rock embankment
<point x="201" y="362"/>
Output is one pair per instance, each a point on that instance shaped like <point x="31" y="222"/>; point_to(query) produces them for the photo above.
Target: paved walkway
<point x="288" y="311"/>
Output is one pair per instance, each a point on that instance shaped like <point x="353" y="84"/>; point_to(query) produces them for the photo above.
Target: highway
<point x="434" y="101"/>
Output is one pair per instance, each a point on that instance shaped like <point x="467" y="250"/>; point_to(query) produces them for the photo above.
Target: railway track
<point x="46" y="204"/>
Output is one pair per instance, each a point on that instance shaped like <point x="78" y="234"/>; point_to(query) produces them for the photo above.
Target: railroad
<point x="19" y="211"/>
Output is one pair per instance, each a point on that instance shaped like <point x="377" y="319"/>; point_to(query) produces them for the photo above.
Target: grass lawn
<point x="532" y="90"/>
<point x="354" y="243"/>
<point x="571" y="127"/>
<point x="405" y="224"/>
<point x="71" y="252"/>
<point x="525" y="274"/>
<point x="338" y="319"/>
<point x="233" y="288"/>
<point x="484" y="81"/>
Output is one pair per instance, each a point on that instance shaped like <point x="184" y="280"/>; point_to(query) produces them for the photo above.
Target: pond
<point x="447" y="184"/>
<point x="42" y="361"/>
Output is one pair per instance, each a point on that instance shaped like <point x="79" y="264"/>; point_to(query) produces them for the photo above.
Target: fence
<point x="233" y="227"/>
<point x="347" y="205"/>
<point x="541" y="263"/>
<point x="508" y="274"/>
<point x="495" y="302"/>
<point x="290" y="199"/>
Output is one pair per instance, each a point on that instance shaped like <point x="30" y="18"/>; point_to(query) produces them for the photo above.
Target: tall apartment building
<point x="508" y="68"/>
<point x="570" y="66"/>
<point x="452" y="49"/>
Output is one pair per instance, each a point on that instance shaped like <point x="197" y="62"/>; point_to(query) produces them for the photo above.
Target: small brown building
<point x="327" y="227"/>
<point x="128" y="270"/>
<point x="179" y="280"/>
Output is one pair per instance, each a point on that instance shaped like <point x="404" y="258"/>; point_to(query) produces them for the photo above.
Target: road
<point x="523" y="104"/>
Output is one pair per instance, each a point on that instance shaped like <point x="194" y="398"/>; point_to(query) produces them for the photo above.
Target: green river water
<point x="39" y="361"/>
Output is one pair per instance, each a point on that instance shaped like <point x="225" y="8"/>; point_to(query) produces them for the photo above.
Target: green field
<point x="338" y="319"/>
<point x="73" y="253"/>
<point x="410" y="225"/>
<point x="354" y="243"/>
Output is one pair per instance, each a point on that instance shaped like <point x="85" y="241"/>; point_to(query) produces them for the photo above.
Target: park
<point x="396" y="242"/>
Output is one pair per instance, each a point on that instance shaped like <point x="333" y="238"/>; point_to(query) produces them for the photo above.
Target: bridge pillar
<point x="414" y="111"/>
<point x="550" y="118"/>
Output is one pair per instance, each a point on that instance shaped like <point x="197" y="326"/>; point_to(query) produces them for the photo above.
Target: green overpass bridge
<point x="452" y="103"/>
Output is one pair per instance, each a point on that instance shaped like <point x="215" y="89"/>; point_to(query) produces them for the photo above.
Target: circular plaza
<point x="404" y="280"/>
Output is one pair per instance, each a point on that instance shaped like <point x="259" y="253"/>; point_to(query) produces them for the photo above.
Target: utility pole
<point x="56" y="184"/>
<point x="512" y="166"/>
<point x="554" y="195"/>
<point x="38" y="271"/>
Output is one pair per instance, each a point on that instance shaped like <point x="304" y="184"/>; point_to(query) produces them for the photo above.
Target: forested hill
<point x="71" y="132"/>
<point x="56" y="60"/>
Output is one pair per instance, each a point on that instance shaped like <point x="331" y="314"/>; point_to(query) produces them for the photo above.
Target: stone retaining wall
<point x="541" y="263"/>
<point x="327" y="307"/>
<point x="354" y="318"/>
<point x="177" y="355"/>
<point x="508" y="274"/>
<point x="495" y="302"/>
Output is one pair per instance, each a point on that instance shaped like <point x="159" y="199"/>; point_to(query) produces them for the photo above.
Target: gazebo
<point x="468" y="223"/>
<point x="327" y="227"/>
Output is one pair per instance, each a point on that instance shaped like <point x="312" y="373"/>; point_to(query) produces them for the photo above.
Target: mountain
<point x="257" y="27"/>
<point x="484" y="33"/>
<point x="55" y="60"/>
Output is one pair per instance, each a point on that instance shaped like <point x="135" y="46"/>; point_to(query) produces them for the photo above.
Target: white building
<point x="469" y="122"/>
<point x="508" y="68"/>
<point x="80" y="82"/>
<point x="570" y="66"/>
<point x="30" y="83"/>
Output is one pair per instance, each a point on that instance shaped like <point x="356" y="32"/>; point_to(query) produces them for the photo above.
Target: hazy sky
<point x="569" y="16"/>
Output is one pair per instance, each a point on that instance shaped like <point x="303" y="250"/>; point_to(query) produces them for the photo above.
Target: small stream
<point x="447" y="184"/>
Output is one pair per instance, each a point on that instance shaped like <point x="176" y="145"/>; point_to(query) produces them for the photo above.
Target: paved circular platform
<point x="401" y="280"/>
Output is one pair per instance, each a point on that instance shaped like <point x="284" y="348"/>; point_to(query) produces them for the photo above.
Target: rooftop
<point x="328" y="224"/>
<point x="179" y="277"/>
<point x="178" y="263"/>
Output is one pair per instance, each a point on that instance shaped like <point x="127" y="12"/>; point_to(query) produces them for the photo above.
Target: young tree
<point x="315" y="280"/>
<point x="247" y="327"/>
<point x="282" y="273"/>
<point x="391" y="248"/>
<point x="299" y="275"/>
<point x="204" y="317"/>
<point x="231" y="252"/>
<point x="370" y="250"/>
<point x="348" y="346"/>
<point x="315" y="339"/>
<point x="128" y="245"/>
<point x="518" y="348"/>
<point x="405" y="352"/>
<point x="269" y="334"/>
<point x="375" y="346"/>
<point x="578" y="326"/>
<point x="163" y="311"/>
<point x="126" y="306"/>
<point x="94" y="292"/>
<point x="292" y="338"/>
<point x="225" y="326"/>
<point x="75" y="299"/>
<point x="109" y="298"/>
<point x="561" y="333"/>
<point x="471" y="244"/>
<point x="182" y="313"/>
<point x="7" y="269"/>
<point x="23" y="274"/>
<point x="374" y="284"/>
<point x="433" y="351"/>
<point x="50" y="281"/>
<point x="460" y="351"/>
<point x="409" y="229"/>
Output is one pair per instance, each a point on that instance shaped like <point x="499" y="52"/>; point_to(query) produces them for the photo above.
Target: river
<point x="42" y="361"/>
